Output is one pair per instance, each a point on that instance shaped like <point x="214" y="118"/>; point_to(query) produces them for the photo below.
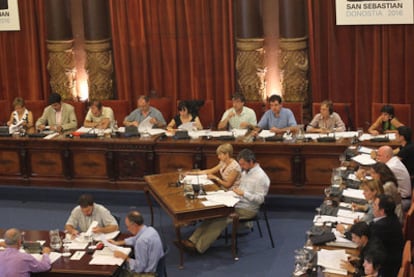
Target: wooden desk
<point x="301" y="168"/>
<point x="162" y="187"/>
<point x="64" y="267"/>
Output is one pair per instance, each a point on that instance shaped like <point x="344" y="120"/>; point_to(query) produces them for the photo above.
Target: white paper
<point x="53" y="256"/>
<point x="331" y="260"/>
<point x="106" y="255"/>
<point x="364" y="159"/>
<point x="391" y="136"/>
<point x="266" y="134"/>
<point x="77" y="255"/>
<point x="197" y="179"/>
<point x="145" y="125"/>
<point x="50" y="136"/>
<point x="93" y="225"/>
<point x="156" y="131"/>
<point x="353" y="193"/>
<point x="365" y="150"/>
<point x="228" y="198"/>
<point x="341" y="241"/>
<point x="75" y="245"/>
<point x="107" y="236"/>
<point x="189" y="126"/>
<point x="350" y="214"/>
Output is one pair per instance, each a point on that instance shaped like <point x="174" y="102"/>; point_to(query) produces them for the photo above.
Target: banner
<point x="374" y="12"/>
<point x="9" y="15"/>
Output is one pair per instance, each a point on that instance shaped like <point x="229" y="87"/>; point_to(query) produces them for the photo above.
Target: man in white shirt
<point x="385" y="155"/>
<point x="239" y="116"/>
<point x="254" y="185"/>
<point x="98" y="116"/>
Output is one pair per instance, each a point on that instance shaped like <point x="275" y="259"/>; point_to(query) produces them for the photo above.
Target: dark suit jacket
<point x="388" y="230"/>
<point x="4" y="4"/>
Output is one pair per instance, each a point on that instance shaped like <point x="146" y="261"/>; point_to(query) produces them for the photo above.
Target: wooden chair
<point x="164" y="105"/>
<point x="297" y="109"/>
<point x="402" y="112"/>
<point x="406" y="261"/>
<point x="343" y="109"/>
<point x="80" y="110"/>
<point x="36" y="107"/>
<point x="121" y="109"/>
<point x="408" y="227"/>
<point x="206" y="113"/>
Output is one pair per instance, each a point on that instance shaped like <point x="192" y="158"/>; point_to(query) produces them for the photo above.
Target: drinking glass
<point x="180" y="175"/>
<point x="327" y="191"/>
<point x="55" y="240"/>
<point x="360" y="132"/>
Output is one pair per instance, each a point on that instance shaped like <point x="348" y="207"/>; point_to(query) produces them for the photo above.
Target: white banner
<point x="374" y="12"/>
<point x="9" y="15"/>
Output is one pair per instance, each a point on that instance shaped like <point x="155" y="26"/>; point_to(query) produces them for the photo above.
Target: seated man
<point x="406" y="150"/>
<point x="277" y="119"/>
<point x="385" y="155"/>
<point x="147" y="245"/>
<point x="327" y="121"/>
<point x="87" y="212"/>
<point x="98" y="116"/>
<point x="387" y="229"/>
<point x="16" y="263"/>
<point x="254" y="185"/>
<point x="143" y="111"/>
<point x="58" y="116"/>
<point x="239" y="116"/>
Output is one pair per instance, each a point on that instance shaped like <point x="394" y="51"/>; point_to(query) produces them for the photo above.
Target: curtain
<point x="23" y="55"/>
<point x="181" y="49"/>
<point x="359" y="64"/>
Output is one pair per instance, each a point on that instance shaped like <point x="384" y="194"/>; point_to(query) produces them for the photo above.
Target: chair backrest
<point x="297" y="109"/>
<point x="5" y="111"/>
<point x="121" y="109"/>
<point x="406" y="260"/>
<point x="343" y="109"/>
<point x="408" y="228"/>
<point x="163" y="104"/>
<point x="402" y="112"/>
<point x="36" y="107"/>
<point x="80" y="110"/>
<point x="206" y="113"/>
<point x="162" y="265"/>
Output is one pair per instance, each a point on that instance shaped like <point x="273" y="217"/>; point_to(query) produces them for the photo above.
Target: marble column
<point x="99" y="64"/>
<point x="250" y="66"/>
<point x="293" y="41"/>
<point x="60" y="65"/>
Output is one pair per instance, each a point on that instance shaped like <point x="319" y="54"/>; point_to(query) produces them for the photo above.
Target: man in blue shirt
<point x="277" y="119"/>
<point x="143" y="111"/>
<point x="147" y="246"/>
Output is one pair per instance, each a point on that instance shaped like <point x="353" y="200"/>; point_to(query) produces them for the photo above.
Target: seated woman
<point x="371" y="188"/>
<point x="383" y="174"/>
<point x="187" y="112"/>
<point x="386" y="122"/>
<point x="326" y="121"/>
<point x="229" y="168"/>
<point x="20" y="116"/>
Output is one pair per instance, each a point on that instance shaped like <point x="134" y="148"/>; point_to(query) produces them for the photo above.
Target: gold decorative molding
<point x="61" y="67"/>
<point x="250" y="68"/>
<point x="100" y="69"/>
<point x="294" y="68"/>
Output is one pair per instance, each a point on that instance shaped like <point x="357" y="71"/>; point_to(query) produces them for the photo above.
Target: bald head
<point x="384" y="154"/>
<point x="12" y="237"/>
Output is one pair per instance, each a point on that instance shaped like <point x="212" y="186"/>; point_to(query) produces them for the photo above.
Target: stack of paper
<point x="353" y="193"/>
<point x="364" y="159"/>
<point x="350" y="214"/>
<point x="331" y="260"/>
<point x="106" y="256"/>
<point x="53" y="256"/>
<point x="228" y="198"/>
<point x="341" y="241"/>
<point x="197" y="179"/>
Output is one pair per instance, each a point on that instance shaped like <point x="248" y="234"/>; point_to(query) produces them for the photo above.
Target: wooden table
<point x="63" y="266"/>
<point x="162" y="187"/>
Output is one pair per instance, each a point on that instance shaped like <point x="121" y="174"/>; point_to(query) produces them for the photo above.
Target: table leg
<point x="180" y="246"/>
<point x="149" y="202"/>
<point x="235" y="226"/>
